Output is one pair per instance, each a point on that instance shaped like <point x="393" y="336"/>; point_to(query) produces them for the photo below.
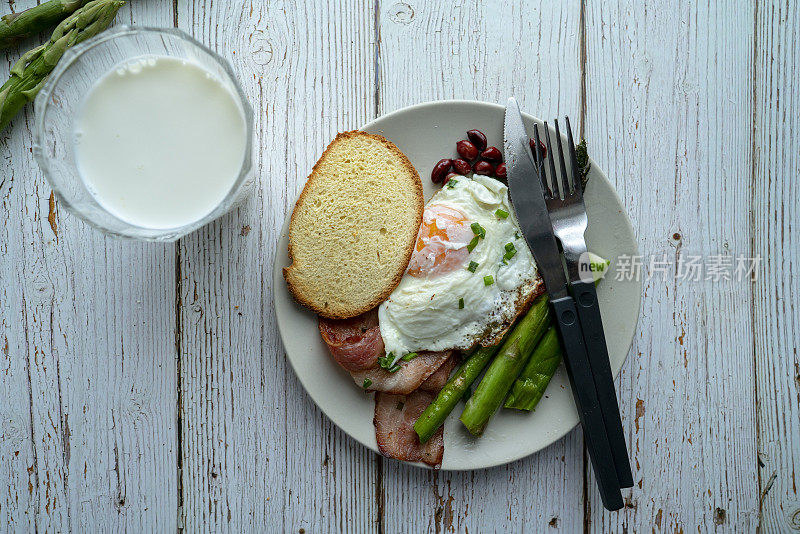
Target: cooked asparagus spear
<point x="437" y="411"/>
<point x="506" y="367"/>
<point x="30" y="72"/>
<point x="532" y="382"/>
<point x="528" y="389"/>
<point x="15" y="27"/>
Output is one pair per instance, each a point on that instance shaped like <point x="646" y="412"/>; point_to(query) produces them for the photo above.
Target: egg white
<point x="423" y="313"/>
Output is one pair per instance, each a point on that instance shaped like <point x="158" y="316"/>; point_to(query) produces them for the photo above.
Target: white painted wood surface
<point x="143" y="387"/>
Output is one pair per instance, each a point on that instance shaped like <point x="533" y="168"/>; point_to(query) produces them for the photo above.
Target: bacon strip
<point x="410" y="376"/>
<point x="435" y="382"/>
<point x="394" y="428"/>
<point x="355" y="344"/>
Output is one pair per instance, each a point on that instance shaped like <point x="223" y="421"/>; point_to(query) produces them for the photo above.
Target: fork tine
<point x="565" y="179"/>
<point x="573" y="157"/>
<point x="554" y="185"/>
<point x="545" y="181"/>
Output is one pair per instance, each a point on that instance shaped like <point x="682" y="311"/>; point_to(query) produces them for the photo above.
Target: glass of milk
<point x="144" y="133"/>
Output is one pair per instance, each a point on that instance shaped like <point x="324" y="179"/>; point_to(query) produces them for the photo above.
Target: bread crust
<point x="419" y="206"/>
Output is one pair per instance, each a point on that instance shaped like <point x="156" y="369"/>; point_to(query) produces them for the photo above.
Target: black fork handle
<point x="588" y="307"/>
<point x="583" y="391"/>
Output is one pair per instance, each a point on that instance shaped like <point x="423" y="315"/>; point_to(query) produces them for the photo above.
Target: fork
<point x="564" y="199"/>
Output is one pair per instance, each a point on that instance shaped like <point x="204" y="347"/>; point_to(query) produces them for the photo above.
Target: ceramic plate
<point x="426" y="133"/>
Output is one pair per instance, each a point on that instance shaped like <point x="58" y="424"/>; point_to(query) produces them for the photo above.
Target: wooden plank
<point x="484" y="51"/>
<point x="88" y="381"/>
<point x="776" y="239"/>
<point x="257" y="454"/>
<point x="669" y="111"/>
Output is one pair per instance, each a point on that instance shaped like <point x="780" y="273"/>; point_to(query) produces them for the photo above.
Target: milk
<point x="159" y="142"/>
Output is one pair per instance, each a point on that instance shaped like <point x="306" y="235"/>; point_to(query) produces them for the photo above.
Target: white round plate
<point x="426" y="133"/>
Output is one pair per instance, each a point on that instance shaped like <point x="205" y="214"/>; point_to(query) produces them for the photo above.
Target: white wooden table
<point x="143" y="386"/>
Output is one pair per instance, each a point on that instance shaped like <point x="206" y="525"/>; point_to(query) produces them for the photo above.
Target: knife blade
<point x="527" y="199"/>
<point x="527" y="196"/>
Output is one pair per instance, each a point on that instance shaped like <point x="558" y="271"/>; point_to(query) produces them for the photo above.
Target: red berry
<point x="440" y="169"/>
<point x="462" y="167"/>
<point x="477" y="138"/>
<point x="492" y="154"/>
<point x="466" y="150"/>
<point x="500" y="172"/>
<point x="543" y="148"/>
<point x="484" y="167"/>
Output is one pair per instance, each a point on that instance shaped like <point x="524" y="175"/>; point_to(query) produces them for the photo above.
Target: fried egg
<point x="471" y="273"/>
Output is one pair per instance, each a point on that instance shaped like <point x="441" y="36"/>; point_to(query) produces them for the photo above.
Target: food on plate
<point x="475" y="156"/>
<point x="506" y="367"/>
<point x="438" y="379"/>
<point x="394" y="430"/>
<point x="470" y="276"/>
<point x="356" y="344"/>
<point x="529" y="388"/>
<point x="453" y="391"/>
<point x="469" y="302"/>
<point x="32" y="69"/>
<point x="407" y="377"/>
<point x="354" y="226"/>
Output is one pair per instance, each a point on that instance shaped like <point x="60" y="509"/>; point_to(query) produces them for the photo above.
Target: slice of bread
<point x="354" y="226"/>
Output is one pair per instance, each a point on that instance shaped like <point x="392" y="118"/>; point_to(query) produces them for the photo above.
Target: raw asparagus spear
<point x="30" y="72"/>
<point x="506" y="367"/>
<point x="15" y="27"/>
<point x="532" y="382"/>
<point x="437" y="411"/>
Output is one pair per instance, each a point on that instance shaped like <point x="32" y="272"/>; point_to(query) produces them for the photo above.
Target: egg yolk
<point x="441" y="242"/>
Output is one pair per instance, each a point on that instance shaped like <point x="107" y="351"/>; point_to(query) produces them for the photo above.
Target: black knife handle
<point x="583" y="391"/>
<point x="585" y="297"/>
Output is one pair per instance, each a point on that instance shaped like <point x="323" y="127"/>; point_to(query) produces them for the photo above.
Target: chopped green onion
<point x="472" y="244"/>
<point x="472" y="266"/>
<point x="367" y="383"/>
<point x="394" y="368"/>
<point x="451" y="183"/>
<point x="461" y="303"/>
<point x="488" y="280"/>
<point x="410" y="356"/>
<point x="510" y="252"/>
<point x="478" y="230"/>
<point x="516" y="235"/>
<point x="503" y="214"/>
<point x="385" y="362"/>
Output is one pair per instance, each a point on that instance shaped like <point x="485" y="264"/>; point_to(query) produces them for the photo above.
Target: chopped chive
<point x="516" y="235"/>
<point x="410" y="356"/>
<point x="503" y="214"/>
<point x="478" y="230"/>
<point x="472" y="244"/>
<point x="461" y="303"/>
<point x="394" y="368"/>
<point x="472" y="266"/>
<point x="451" y="183"/>
<point x="367" y="383"/>
<point x="385" y="362"/>
<point x="488" y="280"/>
<point x="510" y="247"/>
